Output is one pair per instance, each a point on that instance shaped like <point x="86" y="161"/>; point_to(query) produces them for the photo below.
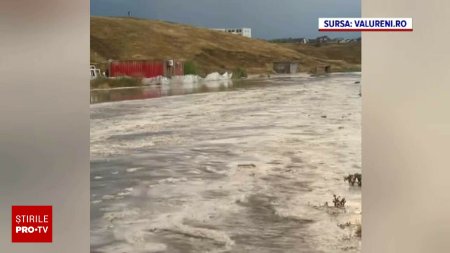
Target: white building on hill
<point x="246" y="32"/>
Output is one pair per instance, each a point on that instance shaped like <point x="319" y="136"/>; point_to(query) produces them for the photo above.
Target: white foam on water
<point x="144" y="247"/>
<point x="213" y="170"/>
<point x="186" y="79"/>
<point x="107" y="197"/>
<point x="215" y="76"/>
<point x="131" y="170"/>
<point x="174" y="223"/>
<point x="268" y="142"/>
<point x="172" y="180"/>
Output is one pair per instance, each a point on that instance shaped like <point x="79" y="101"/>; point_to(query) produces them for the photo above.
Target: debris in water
<point x="354" y="178"/>
<point x="249" y="165"/>
<point x="344" y="225"/>
<point x="358" y="232"/>
<point x="338" y="201"/>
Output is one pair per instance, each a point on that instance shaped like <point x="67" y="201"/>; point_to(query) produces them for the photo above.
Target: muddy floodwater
<point x="242" y="168"/>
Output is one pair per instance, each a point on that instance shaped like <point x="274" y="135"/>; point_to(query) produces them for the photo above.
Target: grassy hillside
<point x="130" y="38"/>
<point x="349" y="52"/>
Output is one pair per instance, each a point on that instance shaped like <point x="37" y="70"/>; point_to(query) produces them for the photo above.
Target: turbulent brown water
<point x="246" y="169"/>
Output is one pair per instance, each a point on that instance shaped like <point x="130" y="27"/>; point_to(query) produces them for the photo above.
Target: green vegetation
<point x="239" y="73"/>
<point x="190" y="68"/>
<point x="105" y="83"/>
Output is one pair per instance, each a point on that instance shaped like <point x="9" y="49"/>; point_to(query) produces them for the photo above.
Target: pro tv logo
<point x="31" y="224"/>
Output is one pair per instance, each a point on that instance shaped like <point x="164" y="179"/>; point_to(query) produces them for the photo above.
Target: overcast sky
<point x="268" y="19"/>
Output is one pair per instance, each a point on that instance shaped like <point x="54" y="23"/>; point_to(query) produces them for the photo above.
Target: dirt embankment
<point x="130" y="38"/>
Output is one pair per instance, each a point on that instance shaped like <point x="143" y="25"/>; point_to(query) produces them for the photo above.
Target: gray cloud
<point x="268" y="18"/>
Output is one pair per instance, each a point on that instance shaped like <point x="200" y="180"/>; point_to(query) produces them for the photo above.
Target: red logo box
<point x="31" y="223"/>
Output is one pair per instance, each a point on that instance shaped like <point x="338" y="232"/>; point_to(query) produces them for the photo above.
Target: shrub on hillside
<point x="239" y="73"/>
<point x="190" y="68"/>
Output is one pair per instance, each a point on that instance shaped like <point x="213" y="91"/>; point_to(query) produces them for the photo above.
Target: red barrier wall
<point x="136" y="68"/>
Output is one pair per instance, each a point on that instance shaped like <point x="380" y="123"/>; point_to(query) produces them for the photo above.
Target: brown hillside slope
<point x="349" y="52"/>
<point x="130" y="38"/>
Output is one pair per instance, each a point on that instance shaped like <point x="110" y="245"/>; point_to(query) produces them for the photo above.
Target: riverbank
<point x="102" y="84"/>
